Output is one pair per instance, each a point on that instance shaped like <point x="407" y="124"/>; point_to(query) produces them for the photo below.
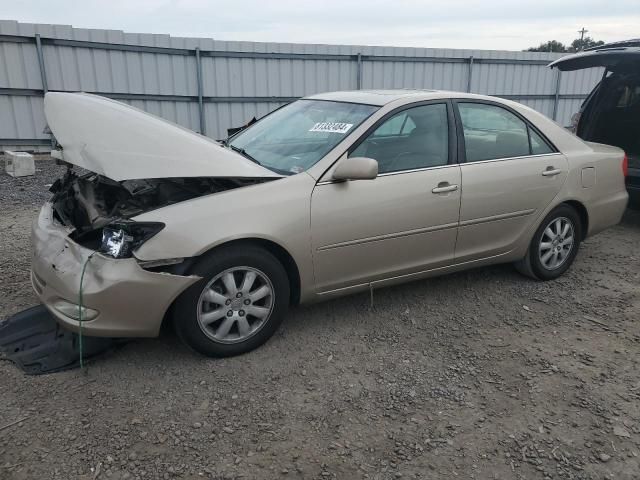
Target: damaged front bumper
<point x="120" y="298"/>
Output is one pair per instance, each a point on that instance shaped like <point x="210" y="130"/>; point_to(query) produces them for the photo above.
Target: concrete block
<point x="19" y="164"/>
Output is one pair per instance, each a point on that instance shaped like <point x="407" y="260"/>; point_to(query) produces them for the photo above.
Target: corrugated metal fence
<point x="208" y="85"/>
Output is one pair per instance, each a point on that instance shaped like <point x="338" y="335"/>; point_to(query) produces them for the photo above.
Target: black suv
<point x="611" y="112"/>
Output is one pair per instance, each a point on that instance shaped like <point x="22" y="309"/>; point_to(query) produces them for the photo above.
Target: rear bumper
<point x="607" y="212"/>
<point x="129" y="301"/>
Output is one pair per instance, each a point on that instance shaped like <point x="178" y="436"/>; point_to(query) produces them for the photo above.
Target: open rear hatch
<point x="619" y="56"/>
<point x="612" y="113"/>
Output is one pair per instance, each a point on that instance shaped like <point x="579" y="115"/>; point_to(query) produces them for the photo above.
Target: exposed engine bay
<point x="90" y="203"/>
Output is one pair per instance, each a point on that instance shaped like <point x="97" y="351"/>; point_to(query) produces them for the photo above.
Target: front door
<point x="510" y="175"/>
<point x="403" y="221"/>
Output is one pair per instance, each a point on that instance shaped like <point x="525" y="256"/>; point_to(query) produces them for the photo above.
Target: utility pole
<point x="582" y="32"/>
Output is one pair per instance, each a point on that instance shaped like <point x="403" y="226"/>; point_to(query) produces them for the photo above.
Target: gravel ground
<point x="483" y="374"/>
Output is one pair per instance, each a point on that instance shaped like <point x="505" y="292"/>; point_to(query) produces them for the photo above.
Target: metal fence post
<point x="43" y="72"/>
<point x="200" y="101"/>
<point x="470" y="75"/>
<point x="359" y="72"/>
<point x="557" y="94"/>
<point x="43" y="77"/>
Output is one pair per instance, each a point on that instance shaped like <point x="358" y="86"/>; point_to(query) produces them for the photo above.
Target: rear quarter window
<point x="538" y="145"/>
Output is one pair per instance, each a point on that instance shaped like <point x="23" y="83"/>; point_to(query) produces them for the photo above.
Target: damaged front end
<point x="117" y="297"/>
<point x="122" y="162"/>
<point x="99" y="210"/>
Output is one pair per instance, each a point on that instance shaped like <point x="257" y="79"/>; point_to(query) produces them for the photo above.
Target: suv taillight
<point x="625" y="166"/>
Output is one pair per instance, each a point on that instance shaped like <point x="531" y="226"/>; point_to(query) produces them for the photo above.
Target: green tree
<point x="587" y="42"/>
<point x="550" y="46"/>
<point x="576" y="46"/>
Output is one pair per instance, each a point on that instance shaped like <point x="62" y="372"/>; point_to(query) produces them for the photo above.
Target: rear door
<point x="510" y="174"/>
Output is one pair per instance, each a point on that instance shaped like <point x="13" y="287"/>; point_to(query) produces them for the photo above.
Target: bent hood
<point x="123" y="143"/>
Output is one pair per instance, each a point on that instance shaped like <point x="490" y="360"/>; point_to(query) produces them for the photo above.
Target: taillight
<point x="625" y="166"/>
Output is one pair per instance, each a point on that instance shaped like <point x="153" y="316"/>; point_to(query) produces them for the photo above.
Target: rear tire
<point x="554" y="245"/>
<point x="237" y="306"/>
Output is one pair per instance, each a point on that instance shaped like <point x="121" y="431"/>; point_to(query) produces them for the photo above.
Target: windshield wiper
<point x="244" y="153"/>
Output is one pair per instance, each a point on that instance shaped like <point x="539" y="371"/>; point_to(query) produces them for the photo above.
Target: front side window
<point x="295" y="137"/>
<point x="414" y="138"/>
<point x="492" y="132"/>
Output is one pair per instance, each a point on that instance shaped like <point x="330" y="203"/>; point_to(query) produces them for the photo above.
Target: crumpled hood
<point x="123" y="143"/>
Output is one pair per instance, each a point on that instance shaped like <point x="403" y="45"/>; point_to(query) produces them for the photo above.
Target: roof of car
<point x="383" y="97"/>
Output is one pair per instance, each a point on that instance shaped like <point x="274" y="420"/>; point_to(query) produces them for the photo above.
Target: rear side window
<point x="492" y="132"/>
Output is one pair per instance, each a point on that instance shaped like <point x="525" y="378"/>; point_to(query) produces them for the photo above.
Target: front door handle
<point x="445" y="187"/>
<point x="551" y="172"/>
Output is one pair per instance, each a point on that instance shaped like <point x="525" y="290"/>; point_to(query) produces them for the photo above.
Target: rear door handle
<point x="444" y="187"/>
<point x="551" y="172"/>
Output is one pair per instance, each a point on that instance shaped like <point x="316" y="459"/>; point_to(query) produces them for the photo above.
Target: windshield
<point x="295" y="137"/>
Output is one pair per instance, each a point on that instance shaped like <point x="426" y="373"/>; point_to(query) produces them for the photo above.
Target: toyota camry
<point x="329" y="195"/>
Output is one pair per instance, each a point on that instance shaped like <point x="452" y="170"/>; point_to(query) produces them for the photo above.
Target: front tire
<point x="554" y="245"/>
<point x="237" y="306"/>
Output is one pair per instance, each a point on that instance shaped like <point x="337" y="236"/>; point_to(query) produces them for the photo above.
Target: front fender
<point x="277" y="211"/>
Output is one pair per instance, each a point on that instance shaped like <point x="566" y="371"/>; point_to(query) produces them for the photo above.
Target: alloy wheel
<point x="235" y="304"/>
<point x="556" y="243"/>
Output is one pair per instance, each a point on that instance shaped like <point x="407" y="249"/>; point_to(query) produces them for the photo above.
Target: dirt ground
<point x="478" y="375"/>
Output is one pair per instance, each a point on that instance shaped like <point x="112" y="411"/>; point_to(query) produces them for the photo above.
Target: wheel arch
<point x="583" y="214"/>
<point x="277" y="250"/>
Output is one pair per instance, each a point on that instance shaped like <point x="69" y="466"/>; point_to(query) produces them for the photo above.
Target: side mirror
<point x="356" y="168"/>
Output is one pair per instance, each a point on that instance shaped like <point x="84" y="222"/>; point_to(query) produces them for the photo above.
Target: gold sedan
<point x="329" y="195"/>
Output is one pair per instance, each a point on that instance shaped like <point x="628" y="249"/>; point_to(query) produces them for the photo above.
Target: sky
<point x="486" y="24"/>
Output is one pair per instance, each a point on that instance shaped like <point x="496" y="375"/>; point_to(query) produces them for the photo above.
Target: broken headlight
<point x="121" y="239"/>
